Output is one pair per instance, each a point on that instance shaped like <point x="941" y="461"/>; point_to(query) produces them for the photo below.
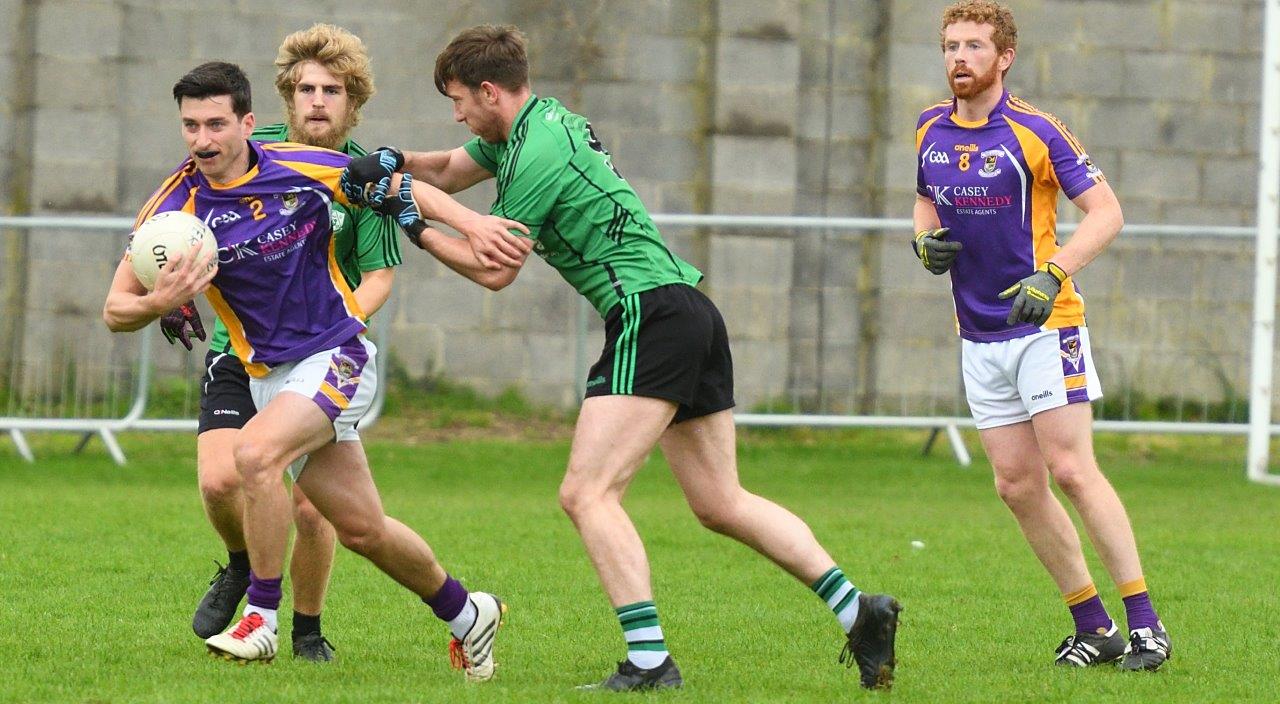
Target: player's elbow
<point x="112" y="319"/>
<point x="497" y="280"/>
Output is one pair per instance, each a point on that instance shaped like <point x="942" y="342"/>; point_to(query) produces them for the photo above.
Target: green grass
<point x="100" y="567"/>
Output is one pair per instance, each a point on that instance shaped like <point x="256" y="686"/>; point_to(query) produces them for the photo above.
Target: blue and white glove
<point x="404" y="209"/>
<point x="367" y="179"/>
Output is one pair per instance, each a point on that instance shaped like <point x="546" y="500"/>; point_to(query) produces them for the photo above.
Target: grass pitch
<point x="100" y="568"/>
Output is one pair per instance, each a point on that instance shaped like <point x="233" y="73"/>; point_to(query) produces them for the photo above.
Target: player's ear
<point x="246" y="124"/>
<point x="1006" y="59"/>
<point x="490" y="92"/>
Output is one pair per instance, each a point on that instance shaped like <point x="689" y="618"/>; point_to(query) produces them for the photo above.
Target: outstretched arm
<point x="456" y="254"/>
<point x="450" y="171"/>
<point x="374" y="181"/>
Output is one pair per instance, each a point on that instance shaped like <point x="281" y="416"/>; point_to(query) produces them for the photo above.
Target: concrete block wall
<point x="761" y="106"/>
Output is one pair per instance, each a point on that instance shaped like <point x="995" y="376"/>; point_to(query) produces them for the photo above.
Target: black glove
<point x="367" y="179"/>
<point x="936" y="254"/>
<point x="175" y="323"/>
<point x="1033" y="296"/>
<point x="401" y="206"/>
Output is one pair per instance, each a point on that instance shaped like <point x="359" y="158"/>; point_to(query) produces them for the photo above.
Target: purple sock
<point x="1139" y="612"/>
<point x="448" y="602"/>
<point x="1091" y="616"/>
<point x="264" y="593"/>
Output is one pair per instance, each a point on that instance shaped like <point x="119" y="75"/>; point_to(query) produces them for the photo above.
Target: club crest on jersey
<point x="289" y="203"/>
<point x="1090" y="169"/>
<point x="989" y="159"/>
<point x="1071" y="350"/>
<point x="336" y="219"/>
<point x="344" y="369"/>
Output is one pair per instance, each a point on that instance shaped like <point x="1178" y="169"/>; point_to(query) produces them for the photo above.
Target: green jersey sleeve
<point x="529" y="182"/>
<point x="377" y="240"/>
<point x="484" y="154"/>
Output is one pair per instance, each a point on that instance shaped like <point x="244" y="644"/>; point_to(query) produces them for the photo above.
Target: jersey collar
<point x="523" y="114"/>
<point x="256" y="158"/>
<point x="997" y="110"/>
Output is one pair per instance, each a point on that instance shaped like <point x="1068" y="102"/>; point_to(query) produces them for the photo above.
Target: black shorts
<point x="224" y="393"/>
<point x="669" y="343"/>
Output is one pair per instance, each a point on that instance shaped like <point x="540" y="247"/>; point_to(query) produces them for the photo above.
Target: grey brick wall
<point x="759" y="106"/>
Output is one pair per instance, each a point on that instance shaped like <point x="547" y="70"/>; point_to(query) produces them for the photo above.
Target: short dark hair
<point x="487" y="52"/>
<point x="216" y="78"/>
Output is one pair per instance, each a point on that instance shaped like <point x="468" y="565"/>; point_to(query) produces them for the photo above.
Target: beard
<point x="978" y="83"/>
<point x="332" y="136"/>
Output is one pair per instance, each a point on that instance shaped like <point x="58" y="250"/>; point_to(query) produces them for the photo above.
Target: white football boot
<point x="474" y="653"/>
<point x="249" y="640"/>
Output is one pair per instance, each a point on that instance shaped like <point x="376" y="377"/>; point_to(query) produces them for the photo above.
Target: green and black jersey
<point x="555" y="177"/>
<point x="363" y="240"/>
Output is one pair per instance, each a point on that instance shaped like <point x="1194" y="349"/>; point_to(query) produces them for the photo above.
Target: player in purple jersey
<point x="325" y="78"/>
<point x="990" y="167"/>
<point x="297" y="328"/>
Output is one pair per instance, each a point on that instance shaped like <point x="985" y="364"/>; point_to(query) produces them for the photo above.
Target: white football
<point x="164" y="234"/>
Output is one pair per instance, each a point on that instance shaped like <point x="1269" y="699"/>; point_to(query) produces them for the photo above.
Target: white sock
<point x="464" y="620"/>
<point x="268" y="615"/>
<point x="848" y="615"/>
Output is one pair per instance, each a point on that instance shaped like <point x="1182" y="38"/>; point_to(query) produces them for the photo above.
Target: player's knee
<point x="219" y="485"/>
<point x="571" y="499"/>
<point x="308" y="520"/>
<point x="362" y="538"/>
<point x="720" y="518"/>
<point x="578" y="498"/>
<point x="1071" y="474"/>
<point x="1017" y="490"/>
<point x="255" y="460"/>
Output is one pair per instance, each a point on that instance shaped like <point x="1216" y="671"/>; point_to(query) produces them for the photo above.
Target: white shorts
<point x="340" y="380"/>
<point x="1009" y="381"/>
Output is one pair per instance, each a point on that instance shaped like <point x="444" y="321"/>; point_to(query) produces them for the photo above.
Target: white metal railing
<point x="951" y="425"/>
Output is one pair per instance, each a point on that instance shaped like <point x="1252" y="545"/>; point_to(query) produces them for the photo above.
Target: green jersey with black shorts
<point x="663" y="337"/>
<point x="363" y="241"/>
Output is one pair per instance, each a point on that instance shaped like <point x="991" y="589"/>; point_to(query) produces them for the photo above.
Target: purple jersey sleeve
<point x="1072" y="166"/>
<point x="320" y="165"/>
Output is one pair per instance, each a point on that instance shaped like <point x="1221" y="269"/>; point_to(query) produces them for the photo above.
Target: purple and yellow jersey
<point x="278" y="286"/>
<point x="995" y="183"/>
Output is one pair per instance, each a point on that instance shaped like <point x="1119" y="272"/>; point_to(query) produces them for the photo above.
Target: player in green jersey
<point x="324" y="77"/>
<point x="665" y="377"/>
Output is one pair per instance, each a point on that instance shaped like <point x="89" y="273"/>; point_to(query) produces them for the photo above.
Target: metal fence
<point x="71" y="375"/>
